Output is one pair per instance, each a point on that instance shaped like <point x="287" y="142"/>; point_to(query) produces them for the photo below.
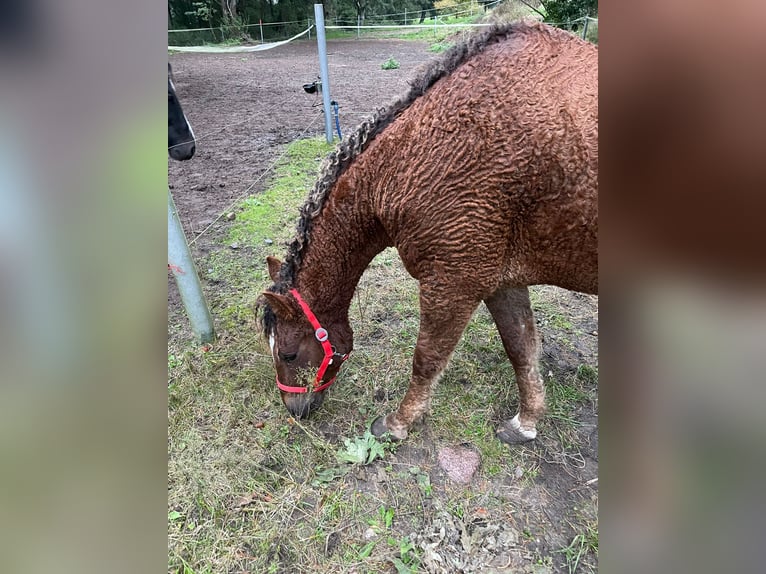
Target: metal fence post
<point x="585" y="28"/>
<point x="323" y="70"/>
<point x="182" y="267"/>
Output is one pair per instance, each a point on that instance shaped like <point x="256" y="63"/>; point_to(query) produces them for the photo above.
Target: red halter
<point x="329" y="352"/>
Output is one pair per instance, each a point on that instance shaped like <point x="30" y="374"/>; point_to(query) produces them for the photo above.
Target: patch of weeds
<point x="423" y="480"/>
<point x="327" y="475"/>
<point x="173" y="361"/>
<point x="563" y="400"/>
<point x="186" y="569"/>
<point x="362" y="450"/>
<point x="581" y="545"/>
<point x="527" y="534"/>
<point x="174" y="516"/>
<point x="408" y="561"/>
<point x="548" y="312"/>
<point x="440" y="47"/>
<point x="456" y="509"/>
<point x="385" y="518"/>
<point x="587" y="374"/>
<point x="332" y="509"/>
<point x="530" y="473"/>
<point x="546" y="561"/>
<point x="270" y="437"/>
<point x="390" y="64"/>
<point x="366" y="550"/>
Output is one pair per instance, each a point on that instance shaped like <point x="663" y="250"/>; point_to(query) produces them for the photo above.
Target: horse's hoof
<point x="512" y="433"/>
<point x="380" y="427"/>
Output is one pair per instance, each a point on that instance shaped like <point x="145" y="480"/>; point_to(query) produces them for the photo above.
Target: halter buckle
<point x="321" y="334"/>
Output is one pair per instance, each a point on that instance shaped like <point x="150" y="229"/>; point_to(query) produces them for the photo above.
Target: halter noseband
<point x="329" y="352"/>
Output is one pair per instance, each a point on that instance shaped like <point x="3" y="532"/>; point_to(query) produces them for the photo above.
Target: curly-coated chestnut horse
<point x="484" y="177"/>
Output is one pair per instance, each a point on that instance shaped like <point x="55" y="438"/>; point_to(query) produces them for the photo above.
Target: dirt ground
<point x="244" y="108"/>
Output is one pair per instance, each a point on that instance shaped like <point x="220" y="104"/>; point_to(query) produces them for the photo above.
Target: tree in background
<point x="453" y="6"/>
<point x="230" y="18"/>
<point x="560" y="11"/>
<point x="185" y="14"/>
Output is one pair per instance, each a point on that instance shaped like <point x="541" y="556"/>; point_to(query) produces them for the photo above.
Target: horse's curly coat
<point x="484" y="177"/>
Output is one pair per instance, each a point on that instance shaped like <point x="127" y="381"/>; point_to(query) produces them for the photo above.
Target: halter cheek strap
<point x="329" y="353"/>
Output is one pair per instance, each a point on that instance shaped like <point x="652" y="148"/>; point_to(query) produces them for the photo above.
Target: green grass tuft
<point x="267" y="215"/>
<point x="390" y="64"/>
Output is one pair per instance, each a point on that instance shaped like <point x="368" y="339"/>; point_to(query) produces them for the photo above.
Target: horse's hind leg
<point x="512" y="312"/>
<point x="443" y="318"/>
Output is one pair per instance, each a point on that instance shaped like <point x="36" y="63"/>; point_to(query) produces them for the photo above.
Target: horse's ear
<point x="274" y="266"/>
<point x="283" y="306"/>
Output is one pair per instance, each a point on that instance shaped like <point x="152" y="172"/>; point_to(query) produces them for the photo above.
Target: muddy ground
<point x="244" y="108"/>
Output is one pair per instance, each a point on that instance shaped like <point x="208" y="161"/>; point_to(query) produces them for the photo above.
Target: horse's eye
<point x="288" y="358"/>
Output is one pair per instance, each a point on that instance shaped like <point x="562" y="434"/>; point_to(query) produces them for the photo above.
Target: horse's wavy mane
<point x="338" y="161"/>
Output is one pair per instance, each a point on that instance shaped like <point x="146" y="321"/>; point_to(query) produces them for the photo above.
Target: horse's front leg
<point x="443" y="318"/>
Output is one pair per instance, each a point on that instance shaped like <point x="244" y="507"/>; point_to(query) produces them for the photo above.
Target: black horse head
<point x="181" y="144"/>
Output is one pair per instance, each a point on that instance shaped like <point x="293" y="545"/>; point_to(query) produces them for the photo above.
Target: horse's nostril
<point x="299" y="409"/>
<point x="301" y="406"/>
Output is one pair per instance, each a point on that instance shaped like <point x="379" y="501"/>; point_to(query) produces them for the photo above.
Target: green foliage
<point x="327" y="475"/>
<point x="407" y="562"/>
<point x="561" y="11"/>
<point x="361" y="450"/>
<point x="174" y="516"/>
<point x="581" y="544"/>
<point x="200" y="10"/>
<point x="439" y="47"/>
<point x="367" y="550"/>
<point x="293" y="16"/>
<point x="390" y="64"/>
<point x="423" y="480"/>
<point x="386" y="516"/>
<point x="263" y="216"/>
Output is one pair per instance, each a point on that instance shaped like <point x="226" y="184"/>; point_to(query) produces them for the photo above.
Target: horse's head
<point x="305" y="360"/>
<point x="181" y="144"/>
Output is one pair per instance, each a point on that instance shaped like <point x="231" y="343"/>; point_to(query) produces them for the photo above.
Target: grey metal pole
<point x="585" y="28"/>
<point x="182" y="266"/>
<point x="323" y="71"/>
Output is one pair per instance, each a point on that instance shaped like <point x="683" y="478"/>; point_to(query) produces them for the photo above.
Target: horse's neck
<point x="344" y="239"/>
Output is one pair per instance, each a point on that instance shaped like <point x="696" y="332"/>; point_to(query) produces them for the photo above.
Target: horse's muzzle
<point x="301" y="405"/>
<point x="182" y="152"/>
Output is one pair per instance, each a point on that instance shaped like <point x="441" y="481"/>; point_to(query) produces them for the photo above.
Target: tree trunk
<point x="228" y="9"/>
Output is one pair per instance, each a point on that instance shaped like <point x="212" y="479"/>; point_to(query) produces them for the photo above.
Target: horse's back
<point x="493" y="171"/>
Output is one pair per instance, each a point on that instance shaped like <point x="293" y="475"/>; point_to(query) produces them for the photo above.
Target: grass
<point x="439" y="47"/>
<point x="435" y="32"/>
<point x="251" y="489"/>
<point x="582" y="544"/>
<point x="271" y="213"/>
